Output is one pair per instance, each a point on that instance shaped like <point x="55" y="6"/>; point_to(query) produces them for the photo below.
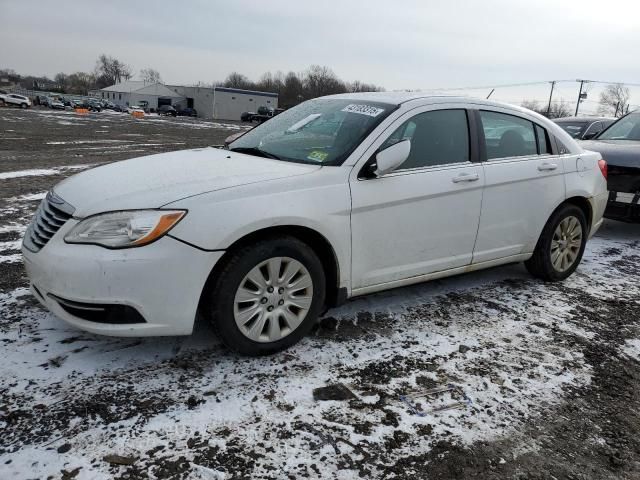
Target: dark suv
<point x="166" y="110"/>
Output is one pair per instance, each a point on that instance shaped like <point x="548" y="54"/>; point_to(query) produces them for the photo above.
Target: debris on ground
<point x="337" y="391"/>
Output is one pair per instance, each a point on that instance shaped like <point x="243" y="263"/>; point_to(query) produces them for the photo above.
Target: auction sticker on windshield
<point x="318" y="156"/>
<point x="363" y="110"/>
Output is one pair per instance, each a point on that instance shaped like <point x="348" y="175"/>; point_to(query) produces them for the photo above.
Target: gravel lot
<point x="546" y="375"/>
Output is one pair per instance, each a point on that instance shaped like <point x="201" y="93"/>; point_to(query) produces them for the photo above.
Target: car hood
<point x="154" y="181"/>
<point x="621" y="153"/>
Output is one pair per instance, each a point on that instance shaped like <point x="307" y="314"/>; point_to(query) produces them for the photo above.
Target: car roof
<point x="583" y="119"/>
<point x="398" y="98"/>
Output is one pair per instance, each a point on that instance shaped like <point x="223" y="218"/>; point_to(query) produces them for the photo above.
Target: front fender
<point x="217" y="220"/>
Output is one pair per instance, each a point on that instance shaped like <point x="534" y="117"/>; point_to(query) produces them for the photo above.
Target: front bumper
<point x="162" y="281"/>
<point x="624" y="207"/>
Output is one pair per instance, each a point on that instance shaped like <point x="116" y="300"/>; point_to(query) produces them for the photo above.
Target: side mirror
<point x="391" y="158"/>
<point x="590" y="135"/>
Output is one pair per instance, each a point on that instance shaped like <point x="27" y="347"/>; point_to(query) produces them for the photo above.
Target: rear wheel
<point x="561" y="245"/>
<point x="267" y="296"/>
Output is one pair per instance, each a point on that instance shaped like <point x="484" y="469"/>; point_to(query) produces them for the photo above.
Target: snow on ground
<point x="515" y="350"/>
<point x="42" y="171"/>
<point x="632" y="348"/>
<point x="184" y="404"/>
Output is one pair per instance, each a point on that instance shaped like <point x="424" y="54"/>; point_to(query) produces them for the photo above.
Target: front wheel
<point x="23" y="105"/>
<point x="267" y="296"/>
<point x="561" y="245"/>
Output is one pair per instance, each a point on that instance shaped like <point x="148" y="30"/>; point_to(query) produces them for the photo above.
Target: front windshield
<point x="627" y="128"/>
<point x="320" y="131"/>
<point x="575" y="129"/>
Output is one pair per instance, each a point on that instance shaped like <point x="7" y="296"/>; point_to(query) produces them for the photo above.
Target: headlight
<point x="124" y="229"/>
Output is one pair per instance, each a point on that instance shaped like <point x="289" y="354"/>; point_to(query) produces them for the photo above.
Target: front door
<point x="423" y="217"/>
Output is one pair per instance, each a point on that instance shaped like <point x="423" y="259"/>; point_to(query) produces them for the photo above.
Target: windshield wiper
<point x="255" y="151"/>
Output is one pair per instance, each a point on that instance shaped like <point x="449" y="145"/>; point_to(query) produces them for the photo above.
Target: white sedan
<point x="338" y="197"/>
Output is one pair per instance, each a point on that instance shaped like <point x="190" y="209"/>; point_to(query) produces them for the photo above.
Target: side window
<point x="544" y="147"/>
<point x="562" y="148"/>
<point x="439" y="137"/>
<point x="594" y="129"/>
<point x="507" y="135"/>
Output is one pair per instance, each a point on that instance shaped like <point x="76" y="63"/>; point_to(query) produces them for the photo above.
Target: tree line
<point x="292" y="88"/>
<point x="614" y="102"/>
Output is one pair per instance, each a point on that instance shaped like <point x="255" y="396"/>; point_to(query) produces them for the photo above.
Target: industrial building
<point x="210" y="102"/>
<point x="133" y="92"/>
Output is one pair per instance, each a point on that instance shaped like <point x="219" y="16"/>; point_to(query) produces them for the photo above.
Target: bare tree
<point x="321" y="81"/>
<point x="292" y="91"/>
<point x="532" y="105"/>
<point x="61" y="80"/>
<point x="80" y="82"/>
<point x="150" y="75"/>
<point x="560" y="109"/>
<point x="237" y="80"/>
<point x="110" y="70"/>
<point x="358" y="86"/>
<point x="614" y="100"/>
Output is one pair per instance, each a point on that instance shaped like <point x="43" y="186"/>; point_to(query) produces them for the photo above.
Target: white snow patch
<point x="632" y="348"/>
<point x="28" y="173"/>
<point x="79" y="142"/>
<point x="42" y="171"/>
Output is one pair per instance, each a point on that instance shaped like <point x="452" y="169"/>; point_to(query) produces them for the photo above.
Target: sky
<point x="401" y="44"/>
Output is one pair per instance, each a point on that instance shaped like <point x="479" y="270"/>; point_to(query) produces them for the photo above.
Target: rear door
<point x="524" y="183"/>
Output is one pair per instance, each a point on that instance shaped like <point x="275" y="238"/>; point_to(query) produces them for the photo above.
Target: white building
<point x="224" y="103"/>
<point x="134" y="92"/>
<point x="210" y="102"/>
<point x="229" y="103"/>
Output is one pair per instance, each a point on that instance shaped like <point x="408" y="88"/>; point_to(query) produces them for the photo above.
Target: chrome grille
<point x="52" y="213"/>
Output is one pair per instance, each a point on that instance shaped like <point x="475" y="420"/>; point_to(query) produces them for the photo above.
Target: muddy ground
<point x="545" y="376"/>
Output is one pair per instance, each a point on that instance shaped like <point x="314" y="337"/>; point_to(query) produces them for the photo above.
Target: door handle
<point x="466" y="177"/>
<point x="547" y="166"/>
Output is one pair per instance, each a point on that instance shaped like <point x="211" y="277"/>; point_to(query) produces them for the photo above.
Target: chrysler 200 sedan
<point x="338" y="197"/>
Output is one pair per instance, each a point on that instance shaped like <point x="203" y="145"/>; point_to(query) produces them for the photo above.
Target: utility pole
<point x="580" y="97"/>
<point x="553" y="84"/>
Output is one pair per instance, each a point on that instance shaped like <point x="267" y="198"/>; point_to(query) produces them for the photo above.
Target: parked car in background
<point x="246" y="116"/>
<point x="166" y="110"/>
<point x="16" y="100"/>
<point x="584" y="128"/>
<point x="295" y="216"/>
<point x="135" y="108"/>
<point x="620" y="147"/>
<point x="187" y="112"/>
<point x="56" y="104"/>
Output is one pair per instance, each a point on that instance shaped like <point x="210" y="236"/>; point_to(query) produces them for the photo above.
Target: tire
<point x="23" y="105"/>
<point x="559" y="250"/>
<point x="248" y="317"/>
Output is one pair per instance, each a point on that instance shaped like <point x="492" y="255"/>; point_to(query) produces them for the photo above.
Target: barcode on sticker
<point x="363" y="110"/>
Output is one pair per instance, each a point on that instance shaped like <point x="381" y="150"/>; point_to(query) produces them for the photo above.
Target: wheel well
<point x="584" y="205"/>
<point x="316" y="241"/>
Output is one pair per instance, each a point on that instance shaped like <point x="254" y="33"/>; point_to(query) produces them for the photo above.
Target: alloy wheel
<point x="566" y="243"/>
<point x="273" y="299"/>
